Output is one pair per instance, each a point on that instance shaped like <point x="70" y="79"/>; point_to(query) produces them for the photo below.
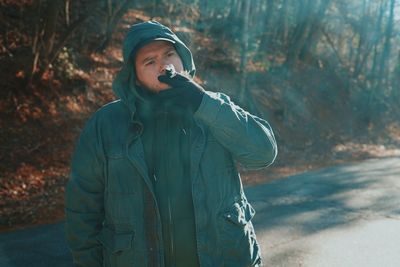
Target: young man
<point x="153" y="176"/>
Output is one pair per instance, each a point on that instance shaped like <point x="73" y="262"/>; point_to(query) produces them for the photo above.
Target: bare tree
<point x="307" y="32"/>
<point x="384" y="66"/>
<point x="244" y="51"/>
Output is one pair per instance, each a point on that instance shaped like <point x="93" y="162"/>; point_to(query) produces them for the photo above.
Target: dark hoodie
<point x="166" y="142"/>
<point x="124" y="84"/>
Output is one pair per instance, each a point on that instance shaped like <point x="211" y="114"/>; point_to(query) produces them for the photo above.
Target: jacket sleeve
<point x="84" y="199"/>
<point x="249" y="138"/>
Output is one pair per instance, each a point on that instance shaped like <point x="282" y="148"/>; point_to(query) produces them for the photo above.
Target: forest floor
<point x="38" y="131"/>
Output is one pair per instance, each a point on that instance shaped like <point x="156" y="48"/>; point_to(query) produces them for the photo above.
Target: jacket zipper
<point x="171" y="227"/>
<point x="193" y="201"/>
<point x="170" y="221"/>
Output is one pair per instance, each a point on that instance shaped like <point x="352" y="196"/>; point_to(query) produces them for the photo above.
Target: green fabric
<point x="109" y="179"/>
<point x="166" y="143"/>
<point x="124" y="84"/>
<point x="106" y="196"/>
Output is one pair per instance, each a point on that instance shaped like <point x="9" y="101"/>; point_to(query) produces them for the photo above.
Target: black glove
<point x="188" y="90"/>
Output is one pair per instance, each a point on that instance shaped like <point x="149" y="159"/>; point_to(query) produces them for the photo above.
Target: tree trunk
<point x="49" y="30"/>
<point x="265" y="38"/>
<point x="114" y="15"/>
<point x="314" y="31"/>
<point x="379" y="91"/>
<point x="384" y="65"/>
<point x="244" y="51"/>
<point x="284" y="20"/>
<point x="300" y="34"/>
<point x="361" y="40"/>
<point x="377" y="32"/>
<point x="45" y="33"/>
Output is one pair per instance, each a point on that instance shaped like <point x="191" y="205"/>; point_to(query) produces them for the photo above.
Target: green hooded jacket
<point x="110" y="200"/>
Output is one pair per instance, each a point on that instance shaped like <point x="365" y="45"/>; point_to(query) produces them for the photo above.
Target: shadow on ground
<point x="42" y="246"/>
<point x="317" y="203"/>
<point x="319" y="218"/>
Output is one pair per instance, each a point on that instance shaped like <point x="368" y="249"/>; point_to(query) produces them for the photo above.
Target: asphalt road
<point x="42" y="246"/>
<point x="347" y="215"/>
<point x="337" y="217"/>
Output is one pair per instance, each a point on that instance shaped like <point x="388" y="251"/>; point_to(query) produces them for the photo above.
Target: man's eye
<point x="170" y="54"/>
<point x="148" y="63"/>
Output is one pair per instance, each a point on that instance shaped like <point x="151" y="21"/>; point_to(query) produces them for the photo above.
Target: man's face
<point x="151" y="61"/>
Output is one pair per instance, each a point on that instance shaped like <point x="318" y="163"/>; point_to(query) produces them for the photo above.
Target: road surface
<point x="346" y="215"/>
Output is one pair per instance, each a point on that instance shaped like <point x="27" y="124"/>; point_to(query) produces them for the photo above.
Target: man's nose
<point x="165" y="66"/>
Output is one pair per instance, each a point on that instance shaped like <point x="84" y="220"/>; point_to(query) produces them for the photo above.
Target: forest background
<point x="324" y="73"/>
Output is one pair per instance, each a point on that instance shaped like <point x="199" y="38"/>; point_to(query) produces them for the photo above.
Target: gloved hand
<point x="188" y="90"/>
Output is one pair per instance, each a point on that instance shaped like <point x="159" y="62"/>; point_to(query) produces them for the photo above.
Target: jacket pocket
<point x="240" y="213"/>
<point x="237" y="237"/>
<point x="117" y="248"/>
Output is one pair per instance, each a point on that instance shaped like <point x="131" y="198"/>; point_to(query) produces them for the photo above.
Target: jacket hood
<point x="139" y="34"/>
